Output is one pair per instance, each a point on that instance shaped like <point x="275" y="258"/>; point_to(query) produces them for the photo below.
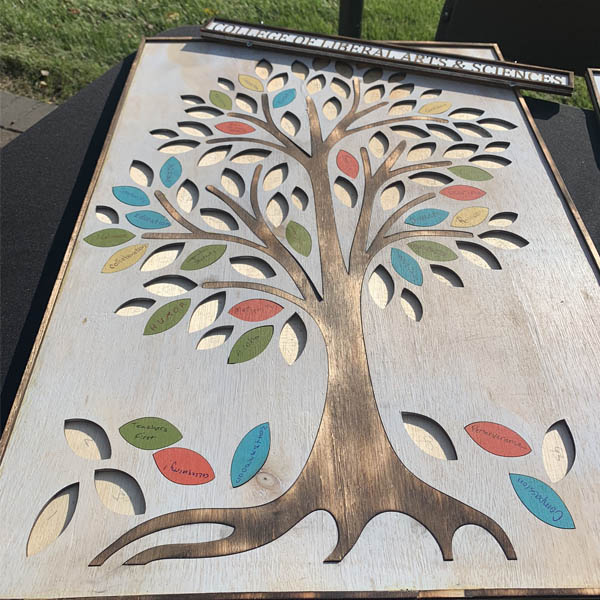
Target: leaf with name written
<point x="284" y="98"/>
<point x="148" y="219"/>
<point x="432" y="250"/>
<point x="150" y="433"/>
<point x="183" y="466"/>
<point x="470" y="173"/>
<point x="250" y="344"/>
<point x="407" y="267"/>
<point x="127" y="194"/>
<point x="464" y="193"/>
<point x="250" y="455"/>
<point x="170" y="172"/>
<point x="426" y="217"/>
<point x="435" y="108"/>
<point x="235" y="128"/>
<point x="251" y="83"/>
<point x="124" y="258"/>
<point x="470" y="216"/>
<point x="497" y="439"/>
<point x="220" y="99"/>
<point x="203" y="257"/>
<point x="542" y="501"/>
<point x="167" y="316"/>
<point x="347" y="164"/>
<point x="255" y="310"/>
<point x="106" y="238"/>
<point x="298" y="238"/>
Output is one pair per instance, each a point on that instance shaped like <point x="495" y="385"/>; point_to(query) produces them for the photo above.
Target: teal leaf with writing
<point x="427" y="217"/>
<point x="470" y="173"/>
<point x="251" y="344"/>
<point x="203" y="257"/>
<point x="147" y="219"/>
<point x="167" y="316"/>
<point x="284" y="98"/>
<point x="150" y="433"/>
<point x="407" y="267"/>
<point x="127" y="194"/>
<point x="170" y="172"/>
<point x="432" y="250"/>
<point x="106" y="238"/>
<point x="250" y="455"/>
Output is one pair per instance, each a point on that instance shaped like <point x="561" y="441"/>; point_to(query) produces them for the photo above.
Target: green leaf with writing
<point x="298" y="238"/>
<point x="150" y="433"/>
<point x="220" y="99"/>
<point x="203" y="257"/>
<point x="470" y="173"/>
<point x="251" y="344"/>
<point x="167" y="316"/>
<point x="432" y="250"/>
<point x="105" y="238"/>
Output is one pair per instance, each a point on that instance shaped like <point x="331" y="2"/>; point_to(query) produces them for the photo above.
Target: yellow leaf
<point x="251" y="83"/>
<point x="124" y="258"/>
<point x="470" y="216"/>
<point x="434" y="108"/>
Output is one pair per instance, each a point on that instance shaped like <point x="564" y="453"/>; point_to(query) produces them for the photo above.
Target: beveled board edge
<point x="593" y="89"/>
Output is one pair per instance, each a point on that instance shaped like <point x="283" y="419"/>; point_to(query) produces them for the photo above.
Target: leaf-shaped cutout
<point x="107" y="215"/>
<point x="246" y="103"/>
<point x="410" y="132"/>
<point x="204" y="112"/>
<point x="345" y="192"/>
<point x="214" y="338"/>
<point x="124" y="258"/>
<point x="426" y="217"/>
<point x="226" y="84"/>
<point x="250" y="455"/>
<point x="379" y="144"/>
<point x="381" y="286"/>
<point x="466" y="114"/>
<point x="339" y="87"/>
<point x="183" y="466"/>
<point x="347" y="164"/>
<point x="430" y="179"/>
<point x="374" y="94"/>
<point x="203" y="257"/>
<point x="250" y="344"/>
<point x="218" y="219"/>
<point x="298" y="238"/>
<point x="53" y="519"/>
<point x="503" y="219"/>
<point x="234" y="128"/>
<point x="247" y="157"/>
<point x="277" y="82"/>
<point x="464" y="193"/>
<point x="191" y="128"/>
<point x="472" y="130"/>
<point x="496" y="124"/>
<point x="130" y="195"/>
<point x="319" y="63"/>
<point x="284" y="98"/>
<point x="432" y="250"/>
<point x="406" y="266"/>
<point x="429" y="436"/>
<point x="255" y="310"/>
<point x="420" y="152"/>
<point x="170" y="172"/>
<point x="299" y="198"/>
<point x="150" y="433"/>
<point x="470" y="216"/>
<point x="460" y="151"/>
<point x="343" y="68"/>
<point x="232" y="183"/>
<point x="490" y="162"/>
<point x="147" y="219"/>
<point x="434" y="108"/>
<point x="316" y="84"/>
<point x="299" y="69"/>
<point x="372" y="75"/>
<point x="558" y="451"/>
<point x="207" y="312"/>
<point x="167" y="316"/>
<point x="275" y="177"/>
<point x="220" y="99"/>
<point x="277" y="210"/>
<point x="135" y="307"/>
<point x="290" y="124"/>
<point x="332" y="108"/>
<point x="187" y="196"/>
<point x="141" y="173"/>
<point x="401" y="108"/>
<point x="479" y="255"/>
<point x="105" y="238"/>
<point x="446" y="276"/>
<point x="411" y="305"/>
<point x="542" y="501"/>
<point x="87" y="439"/>
<point x="497" y="147"/>
<point x="190" y="99"/>
<point x="431" y="94"/>
<point x="169" y="285"/>
<point x="178" y="147"/>
<point x="397" y="77"/>
<point x="470" y="173"/>
<point x="444" y="133"/>
<point x="214" y="156"/>
<point x="163" y="134"/>
<point x="263" y="69"/>
<point x="292" y="339"/>
<point x="497" y="439"/>
<point x="251" y="83"/>
<point x="401" y="91"/>
<point x="504" y="239"/>
<point x="162" y="257"/>
<point x="392" y="196"/>
<point x="119" y="492"/>
<point x="251" y="266"/>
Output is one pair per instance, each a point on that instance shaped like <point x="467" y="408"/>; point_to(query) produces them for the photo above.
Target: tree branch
<point x="259" y="287"/>
<point x="240" y="211"/>
<point x="172" y="211"/>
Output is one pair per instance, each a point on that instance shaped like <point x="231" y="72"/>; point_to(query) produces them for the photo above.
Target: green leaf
<point x="432" y="250"/>
<point x="150" y="433"/>
<point x="470" y="173"/>
<point x="203" y="257"/>
<point x="251" y="344"/>
<point x="167" y="316"/>
<point x="298" y="238"/>
<point x="220" y="99"/>
<point x="105" y="238"/>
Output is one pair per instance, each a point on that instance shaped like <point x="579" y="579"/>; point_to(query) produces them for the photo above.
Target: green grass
<point x="76" y="41"/>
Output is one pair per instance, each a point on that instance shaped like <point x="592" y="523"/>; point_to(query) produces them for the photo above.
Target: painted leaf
<point x="498" y="439"/>
<point x="147" y="219"/>
<point x="150" y="433"/>
<point x="124" y="258"/>
<point x="542" y="501"/>
<point x="470" y="216"/>
<point x="255" y="310"/>
<point x="167" y="316"/>
<point x="347" y="164"/>
<point x="106" y="238"/>
<point x="250" y="455"/>
<point x="407" y="267"/>
<point x="465" y="193"/>
<point x="250" y="344"/>
<point x="183" y="466"/>
<point x="220" y="99"/>
<point x="427" y="217"/>
<point x="284" y="98"/>
<point x="434" y="108"/>
<point x="470" y="173"/>
<point x="170" y="172"/>
<point x="298" y="238"/>
<point x="251" y="83"/>
<point x="234" y="128"/>
<point x="127" y="194"/>
<point x="203" y="257"/>
<point x="432" y="250"/>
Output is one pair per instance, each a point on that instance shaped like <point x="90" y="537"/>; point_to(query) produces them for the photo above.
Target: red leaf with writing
<point x="462" y="192"/>
<point x="183" y="466"/>
<point x="347" y="164"/>
<point x="255" y="310"/>
<point x="234" y="128"/>
<point x="498" y="439"/>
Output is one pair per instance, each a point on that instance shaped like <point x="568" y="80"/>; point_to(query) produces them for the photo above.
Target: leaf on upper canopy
<point x="426" y="217"/>
<point x="220" y="99"/>
<point x="150" y="433"/>
<point x="298" y="238"/>
<point x="170" y="172"/>
<point x="256" y="309"/>
<point x="432" y="250"/>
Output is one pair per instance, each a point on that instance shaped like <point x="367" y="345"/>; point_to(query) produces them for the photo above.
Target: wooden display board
<point x="326" y="326"/>
<point x="593" y="82"/>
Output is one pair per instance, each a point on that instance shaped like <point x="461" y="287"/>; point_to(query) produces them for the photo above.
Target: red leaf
<point x="234" y="128"/>
<point x="498" y="439"/>
<point x="347" y="164"/>
<point x="183" y="466"/>
<point x="255" y="310"/>
<point x="463" y="192"/>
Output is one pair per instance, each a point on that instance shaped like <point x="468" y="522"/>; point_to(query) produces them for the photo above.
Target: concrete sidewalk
<point x="17" y="114"/>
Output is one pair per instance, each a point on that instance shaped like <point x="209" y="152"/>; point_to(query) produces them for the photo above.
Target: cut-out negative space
<point x="496" y="147"/>
<point x="429" y="436"/>
<point x="472" y="130"/>
<point x="479" y="255"/>
<point x="87" y="439"/>
<point x="214" y="156"/>
<point x="163" y="134"/>
<point x="246" y="103"/>
<point x="107" y="215"/>
<point x="446" y="276"/>
<point x="162" y="257"/>
<point x="392" y="196"/>
<point x="251" y="266"/>
<point x="250" y="454"/>
<point x="187" y="196"/>
<point x="444" y="133"/>
<point x="226" y="84"/>
<point x="315" y="84"/>
<point x="497" y="124"/>
<point x="275" y="177"/>
<point x="466" y="114"/>
<point x="504" y="239"/>
<point x="191" y="99"/>
<point x="183" y="466"/>
<point x="247" y="157"/>
<point x="277" y="210"/>
<point x="431" y="94"/>
<point x="460" y="151"/>
<point x="381" y="286"/>
<point x="410" y="132"/>
<point x="277" y="82"/>
<point x="400" y="108"/>
<point x="207" y="312"/>
<point x="558" y="451"/>
<point x="255" y="310"/>
<point x="372" y="75"/>
<point x="134" y="307"/>
<point x="141" y="173"/>
<point x="263" y="69"/>
<point x="503" y="219"/>
<point x="232" y="183"/>
<point x="498" y="439"/>
<point x="430" y="179"/>
<point x="214" y="338"/>
<point x="343" y="68"/>
<point x="490" y="162"/>
<point x="420" y="152"/>
<point x="124" y="258"/>
<point x="299" y="198"/>
<point x="196" y="129"/>
<point x="178" y="147"/>
<point x="150" y="433"/>
<point x="290" y="124"/>
<point x="203" y="257"/>
<point x="292" y="339"/>
<point x="411" y="305"/>
<point x="374" y="94"/>
<point x="345" y="192"/>
<point x="218" y="219"/>
<point x="320" y="63"/>
<point x="204" y="112"/>
<point x="170" y="285"/>
<point x="119" y="492"/>
<point x="167" y="316"/>
<point x="332" y="108"/>
<point x="299" y="69"/>
<point x="250" y="344"/>
<point x="340" y="87"/>
<point x="397" y="77"/>
<point x="379" y="144"/>
<point x="402" y="91"/>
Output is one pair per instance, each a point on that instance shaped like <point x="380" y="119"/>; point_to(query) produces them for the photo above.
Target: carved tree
<point x="351" y="423"/>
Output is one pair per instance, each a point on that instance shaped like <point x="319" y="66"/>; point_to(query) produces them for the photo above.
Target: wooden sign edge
<point x="593" y="89"/>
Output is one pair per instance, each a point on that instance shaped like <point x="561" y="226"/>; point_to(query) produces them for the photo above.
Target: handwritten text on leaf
<point x="407" y="267"/>
<point x="124" y="258"/>
<point x="432" y="250"/>
<point x="130" y="195"/>
<point x="150" y="433"/>
<point x="234" y="128"/>
<point x="106" y="238"/>
<point x="203" y="257"/>
<point x="255" y="310"/>
<point x="167" y="316"/>
<point x="497" y="439"/>
<point x="251" y="344"/>
<point x="147" y="219"/>
<point x="250" y="455"/>
<point x="183" y="466"/>
<point x="170" y="172"/>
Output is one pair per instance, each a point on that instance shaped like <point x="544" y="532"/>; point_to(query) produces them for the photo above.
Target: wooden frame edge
<point x="593" y="89"/>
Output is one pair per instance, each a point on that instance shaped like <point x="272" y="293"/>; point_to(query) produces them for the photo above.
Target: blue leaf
<point x="407" y="267"/>
<point x="147" y="219"/>
<point x="426" y="217"/>
<point x="170" y="172"/>
<point x="250" y="455"/>
<point x="542" y="501"/>
<point x="128" y="194"/>
<point x="284" y="98"/>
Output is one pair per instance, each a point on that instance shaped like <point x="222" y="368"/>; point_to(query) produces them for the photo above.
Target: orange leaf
<point x="183" y="466"/>
<point x="347" y="164"/>
<point x="462" y="192"/>
<point x="255" y="310"/>
<point x="234" y="128"/>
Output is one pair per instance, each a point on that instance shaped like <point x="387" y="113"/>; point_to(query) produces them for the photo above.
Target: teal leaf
<point x="167" y="316"/>
<point x="470" y="173"/>
<point x="407" y="267"/>
<point x="250" y="344"/>
<point x="203" y="257"/>
<point x="170" y="172"/>
<point x="284" y="98"/>
<point x="105" y="238"/>
<point x="150" y="433"/>
<point x="250" y="455"/>
<point x="130" y="195"/>
<point x="432" y="250"/>
<point x="426" y="217"/>
<point x="147" y="219"/>
<point x="298" y="238"/>
<point x="542" y="501"/>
